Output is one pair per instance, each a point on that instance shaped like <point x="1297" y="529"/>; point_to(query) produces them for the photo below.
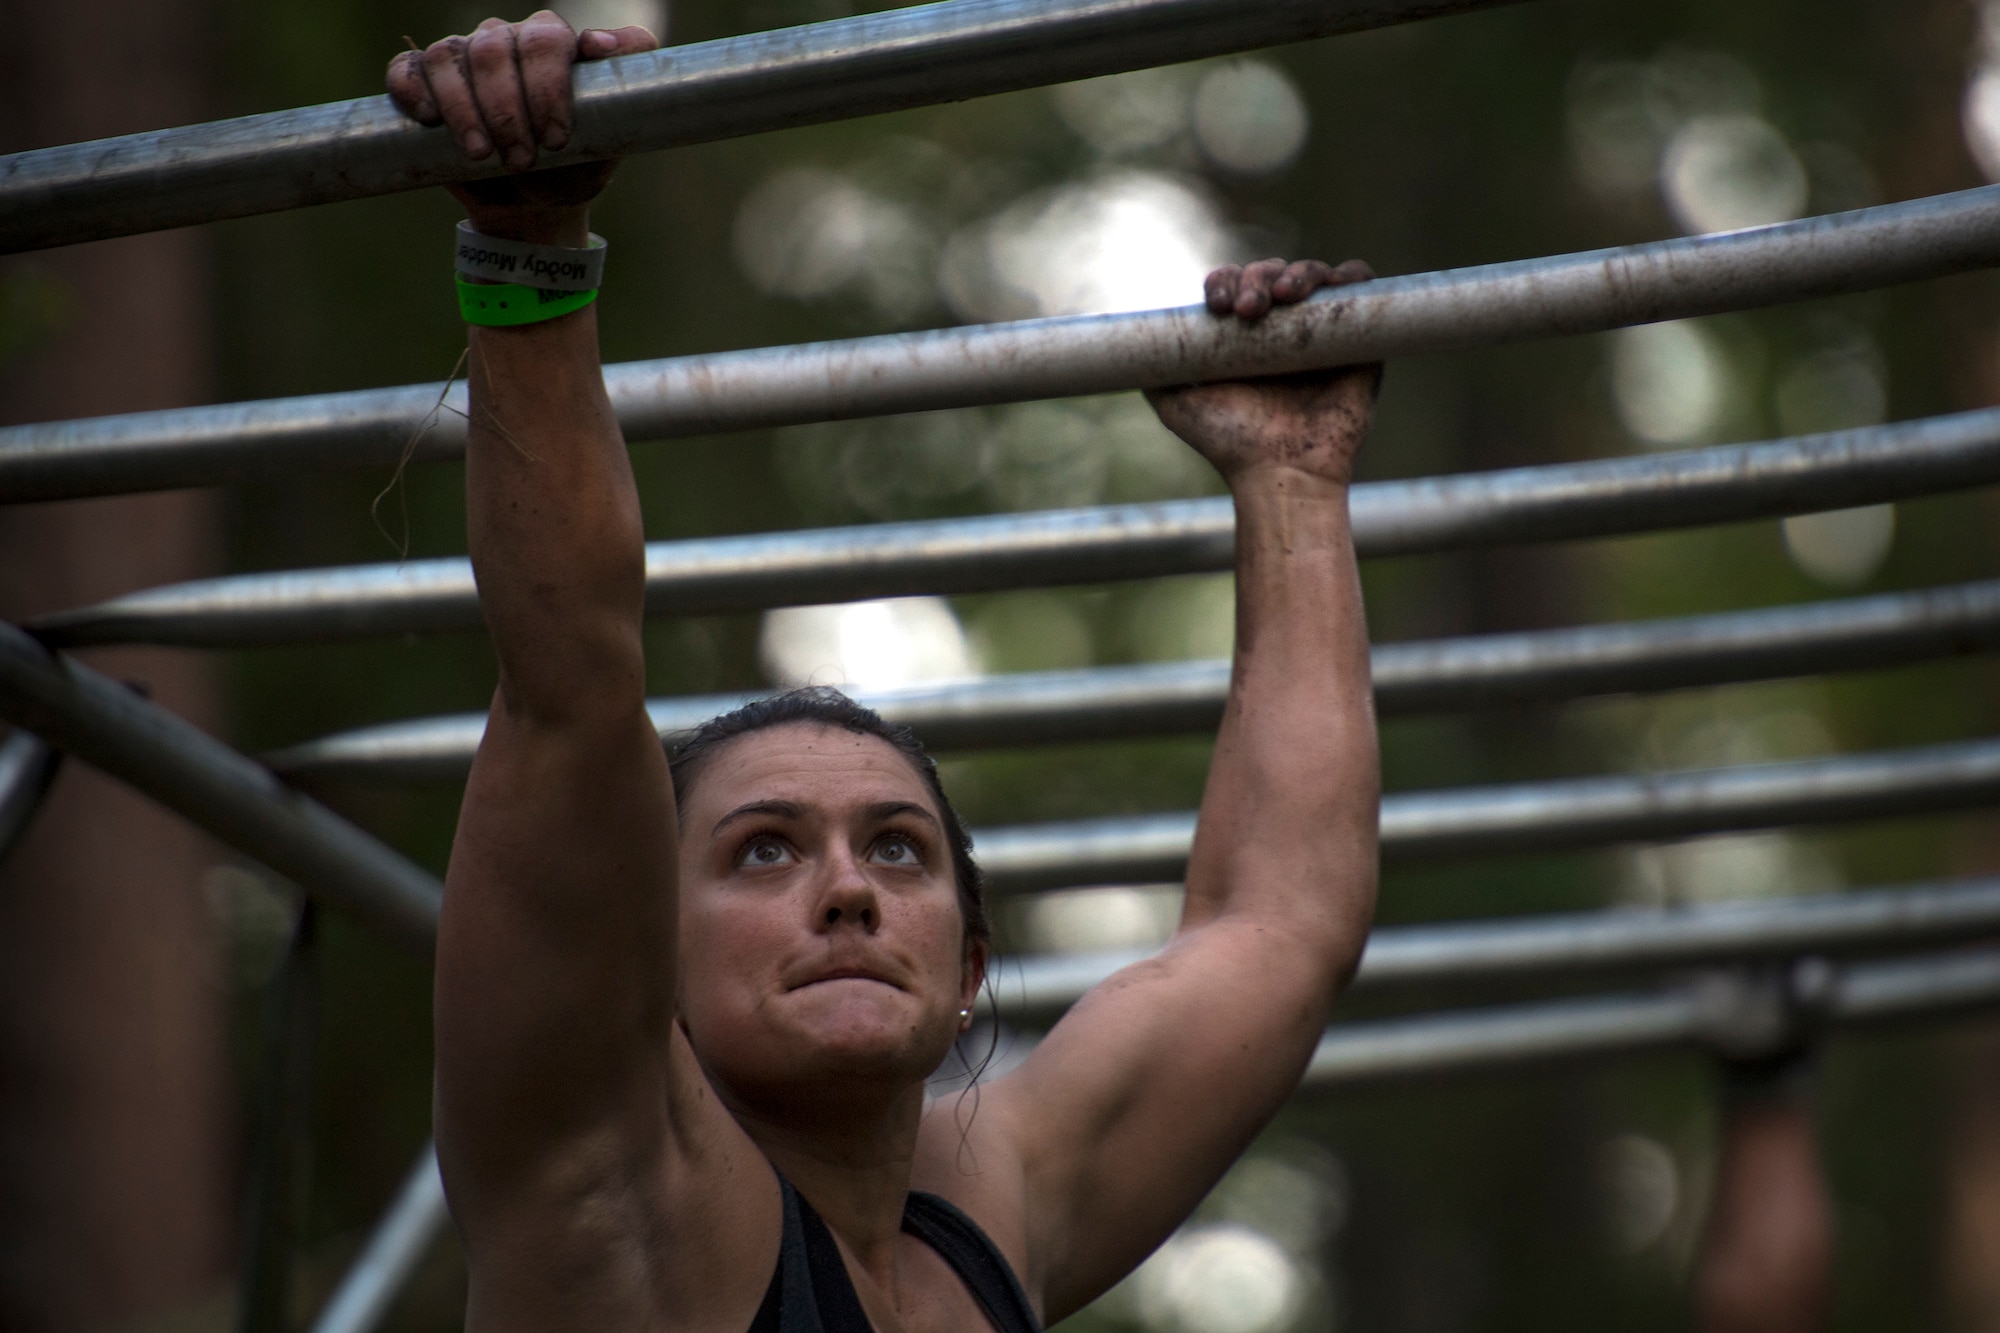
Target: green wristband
<point x="502" y="305"/>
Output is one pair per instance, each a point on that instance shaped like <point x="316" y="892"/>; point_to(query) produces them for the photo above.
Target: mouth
<point x="847" y="974"/>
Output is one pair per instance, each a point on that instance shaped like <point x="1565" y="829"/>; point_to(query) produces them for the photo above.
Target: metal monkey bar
<point x="1761" y="978"/>
<point x="1166" y="698"/>
<point x="1601" y="498"/>
<point x="1559" y="946"/>
<point x="1536" y="816"/>
<point x="850" y="67"/>
<point x="1047" y="358"/>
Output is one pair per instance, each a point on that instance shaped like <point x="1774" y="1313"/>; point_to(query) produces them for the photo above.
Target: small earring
<point x="964" y="1014"/>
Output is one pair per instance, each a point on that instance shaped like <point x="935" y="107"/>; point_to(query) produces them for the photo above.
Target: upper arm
<point x="555" y="940"/>
<point x="572" y="1121"/>
<point x="1140" y="1097"/>
<point x="580" y="1145"/>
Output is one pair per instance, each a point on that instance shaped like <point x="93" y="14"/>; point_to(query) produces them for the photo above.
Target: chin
<point x="858" y="1031"/>
<point x="881" y="1049"/>
<point x="865" y="1037"/>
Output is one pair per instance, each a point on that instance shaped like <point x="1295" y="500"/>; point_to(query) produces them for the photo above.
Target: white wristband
<point x="553" y="268"/>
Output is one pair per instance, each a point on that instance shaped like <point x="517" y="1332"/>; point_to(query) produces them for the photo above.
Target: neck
<point x="851" y="1159"/>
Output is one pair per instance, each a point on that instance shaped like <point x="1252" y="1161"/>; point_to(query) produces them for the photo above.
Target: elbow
<point x="1342" y="936"/>
<point x="572" y="672"/>
<point x="1315" y="909"/>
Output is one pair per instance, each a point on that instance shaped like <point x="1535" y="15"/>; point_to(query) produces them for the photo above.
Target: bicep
<point x="555" y="949"/>
<point x="585" y="1156"/>
<point x="1143" y="1094"/>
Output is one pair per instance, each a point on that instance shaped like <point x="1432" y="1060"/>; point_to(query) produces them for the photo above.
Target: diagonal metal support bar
<point x="1536" y="816"/>
<point x="1106" y="703"/>
<point x="1049" y="358"/>
<point x="1606" y="497"/>
<point x="111" y="728"/>
<point x="680" y="95"/>
<point x="406" y="1232"/>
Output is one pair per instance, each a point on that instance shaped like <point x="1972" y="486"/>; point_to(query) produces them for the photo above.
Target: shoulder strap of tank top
<point x="978" y="1262"/>
<point x="810" y="1292"/>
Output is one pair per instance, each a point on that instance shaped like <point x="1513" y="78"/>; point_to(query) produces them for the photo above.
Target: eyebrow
<point x="881" y="810"/>
<point x="890" y="809"/>
<point x="781" y="809"/>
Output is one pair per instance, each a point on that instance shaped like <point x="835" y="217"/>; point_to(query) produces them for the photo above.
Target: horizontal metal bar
<point x="111" y="728"/>
<point x="1600" y="498"/>
<point x="1162" y="698"/>
<point x="1536" y="816"/>
<point x="1558" y="945"/>
<point x="1724" y="1013"/>
<point x="27" y="768"/>
<point x="1471" y="1041"/>
<point x="398" y="1244"/>
<point x="680" y="95"/>
<point x="685" y="577"/>
<point x="1018" y="709"/>
<point x="1918" y="987"/>
<point x="1049" y="358"/>
<point x="1810" y="639"/>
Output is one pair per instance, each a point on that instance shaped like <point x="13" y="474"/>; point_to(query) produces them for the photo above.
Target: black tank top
<point x="811" y="1293"/>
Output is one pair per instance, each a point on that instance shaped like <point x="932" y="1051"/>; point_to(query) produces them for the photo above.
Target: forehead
<point x="820" y="767"/>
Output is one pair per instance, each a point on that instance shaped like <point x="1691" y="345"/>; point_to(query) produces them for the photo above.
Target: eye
<point x="764" y="851"/>
<point x="897" y="849"/>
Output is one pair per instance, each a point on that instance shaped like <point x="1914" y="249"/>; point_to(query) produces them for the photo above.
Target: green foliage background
<point x="1433" y="146"/>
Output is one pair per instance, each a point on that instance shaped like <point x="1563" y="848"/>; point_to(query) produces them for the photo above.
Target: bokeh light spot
<point x="1669" y="382"/>
<point x="867" y="645"/>
<point x="1842" y="548"/>
<point x="1249" y="117"/>
<point x="1725" y="172"/>
<point x="1224" y="1278"/>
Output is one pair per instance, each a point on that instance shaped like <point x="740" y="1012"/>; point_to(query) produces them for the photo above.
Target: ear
<point x="971" y="978"/>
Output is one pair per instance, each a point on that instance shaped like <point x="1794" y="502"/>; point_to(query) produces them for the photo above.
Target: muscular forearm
<point x="554" y="949"/>
<point x="554" y="523"/>
<point x="1288" y="822"/>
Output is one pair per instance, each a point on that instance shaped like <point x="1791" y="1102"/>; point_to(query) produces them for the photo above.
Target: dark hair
<point x="821" y="705"/>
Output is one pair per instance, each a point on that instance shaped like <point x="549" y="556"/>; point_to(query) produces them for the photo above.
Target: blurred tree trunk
<point x="115" y="1176"/>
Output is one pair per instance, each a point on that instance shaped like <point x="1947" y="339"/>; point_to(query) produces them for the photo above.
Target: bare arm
<point x="1143" y="1094"/>
<point x="559" y="1074"/>
<point x="1766" y="1261"/>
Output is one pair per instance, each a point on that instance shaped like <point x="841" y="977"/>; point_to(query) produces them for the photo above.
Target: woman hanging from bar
<point x="685" y="1015"/>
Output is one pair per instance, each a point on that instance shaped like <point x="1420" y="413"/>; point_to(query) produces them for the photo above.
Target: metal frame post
<point x="281" y="1161"/>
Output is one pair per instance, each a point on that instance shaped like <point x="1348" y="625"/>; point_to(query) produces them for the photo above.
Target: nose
<point x="847" y="896"/>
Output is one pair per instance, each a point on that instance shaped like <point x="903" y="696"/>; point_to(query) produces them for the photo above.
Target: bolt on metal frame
<point x="962" y="48"/>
